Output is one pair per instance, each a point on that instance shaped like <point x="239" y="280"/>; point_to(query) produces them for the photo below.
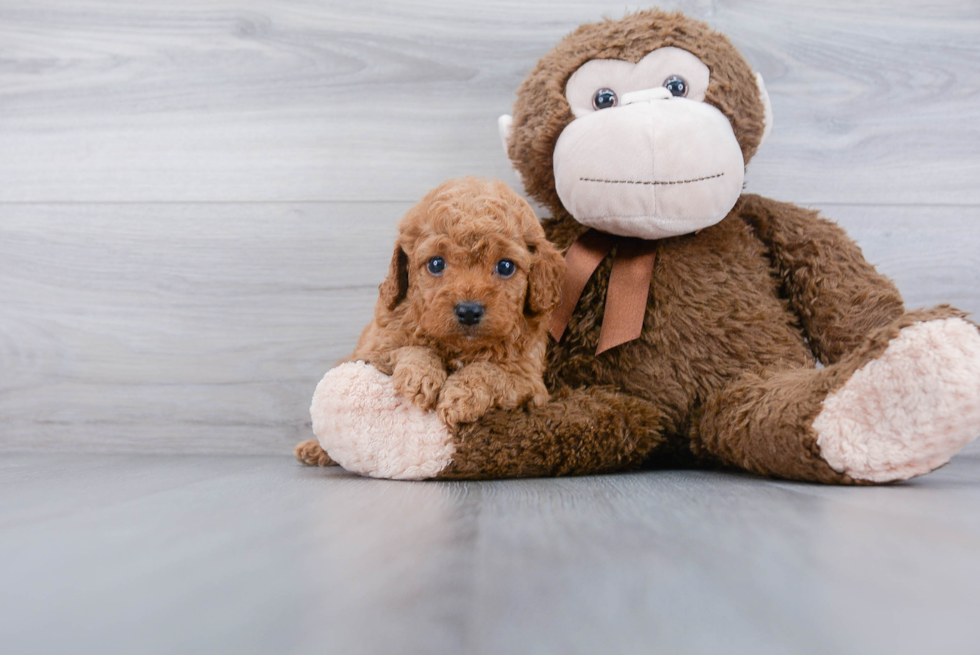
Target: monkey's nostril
<point x="469" y="313"/>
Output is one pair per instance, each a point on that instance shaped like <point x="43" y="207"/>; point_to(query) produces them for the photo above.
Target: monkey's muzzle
<point x="651" y="168"/>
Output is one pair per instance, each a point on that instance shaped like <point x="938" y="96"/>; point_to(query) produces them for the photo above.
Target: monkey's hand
<point x="418" y="375"/>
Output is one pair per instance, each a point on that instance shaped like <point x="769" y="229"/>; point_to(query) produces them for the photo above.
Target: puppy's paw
<point x="419" y="384"/>
<point x="462" y="403"/>
<point x="312" y="454"/>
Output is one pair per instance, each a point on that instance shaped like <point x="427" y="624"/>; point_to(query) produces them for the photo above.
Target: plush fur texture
<point x="724" y="372"/>
<point x="436" y="360"/>
<point x="541" y="111"/>
<point x="362" y="420"/>
<point x="908" y="411"/>
<point x="738" y="314"/>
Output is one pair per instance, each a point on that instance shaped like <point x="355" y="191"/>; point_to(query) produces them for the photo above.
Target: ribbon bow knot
<point x="626" y="296"/>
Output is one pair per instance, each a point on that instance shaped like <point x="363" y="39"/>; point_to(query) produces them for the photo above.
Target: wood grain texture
<point x="185" y="554"/>
<point x="205" y="327"/>
<point x="302" y="100"/>
<point x="180" y="327"/>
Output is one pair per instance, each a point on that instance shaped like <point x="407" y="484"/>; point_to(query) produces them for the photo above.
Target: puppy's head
<point x="472" y="266"/>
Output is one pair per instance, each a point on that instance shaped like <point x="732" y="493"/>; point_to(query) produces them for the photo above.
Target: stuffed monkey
<point x="694" y="315"/>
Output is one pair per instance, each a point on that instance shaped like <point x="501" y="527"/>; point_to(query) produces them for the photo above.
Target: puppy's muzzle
<point x="469" y="313"/>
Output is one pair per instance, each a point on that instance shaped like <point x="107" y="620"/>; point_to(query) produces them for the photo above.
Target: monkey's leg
<point x="367" y="428"/>
<point x="900" y="405"/>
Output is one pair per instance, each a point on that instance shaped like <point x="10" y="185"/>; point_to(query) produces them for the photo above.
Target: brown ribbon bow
<point x="629" y="285"/>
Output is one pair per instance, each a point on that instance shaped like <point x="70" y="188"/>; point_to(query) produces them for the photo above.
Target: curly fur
<point x="434" y="360"/>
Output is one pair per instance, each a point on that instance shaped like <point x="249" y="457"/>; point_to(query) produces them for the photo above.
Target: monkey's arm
<point x="577" y="432"/>
<point x="369" y="429"/>
<point x="839" y="297"/>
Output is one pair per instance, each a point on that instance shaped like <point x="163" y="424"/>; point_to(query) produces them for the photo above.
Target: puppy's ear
<point x="395" y="287"/>
<point x="545" y="279"/>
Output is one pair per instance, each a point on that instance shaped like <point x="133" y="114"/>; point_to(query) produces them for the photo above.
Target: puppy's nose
<point x="469" y="313"/>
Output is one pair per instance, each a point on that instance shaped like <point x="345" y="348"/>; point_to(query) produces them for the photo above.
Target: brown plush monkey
<point x="694" y="315"/>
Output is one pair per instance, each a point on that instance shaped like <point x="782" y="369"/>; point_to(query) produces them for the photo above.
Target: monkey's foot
<point x="908" y="411"/>
<point x="369" y="429"/>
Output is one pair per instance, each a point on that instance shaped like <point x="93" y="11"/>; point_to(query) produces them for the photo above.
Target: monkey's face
<point x="645" y="156"/>
<point x="639" y="127"/>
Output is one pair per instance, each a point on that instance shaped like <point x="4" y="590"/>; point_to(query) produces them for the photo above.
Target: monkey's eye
<point x="436" y="265"/>
<point x="604" y="99"/>
<point x="505" y="268"/>
<point x="676" y="85"/>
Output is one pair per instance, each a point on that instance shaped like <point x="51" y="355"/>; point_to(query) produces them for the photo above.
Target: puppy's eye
<point x="436" y="265"/>
<point x="604" y="99"/>
<point x="676" y="85"/>
<point x="505" y="268"/>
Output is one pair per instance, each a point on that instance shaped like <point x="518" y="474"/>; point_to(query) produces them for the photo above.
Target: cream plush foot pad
<point x="909" y="411"/>
<point x="369" y="429"/>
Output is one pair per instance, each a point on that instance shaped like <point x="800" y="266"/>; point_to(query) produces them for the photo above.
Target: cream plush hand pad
<point x="369" y="429"/>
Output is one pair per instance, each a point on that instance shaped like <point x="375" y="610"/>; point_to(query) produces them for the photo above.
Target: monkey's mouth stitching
<point x="654" y="183"/>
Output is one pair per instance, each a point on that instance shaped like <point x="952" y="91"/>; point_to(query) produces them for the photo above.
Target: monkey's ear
<point x="395" y="287"/>
<point x="545" y="279"/>
<point x="766" y="106"/>
<point x="504" y="125"/>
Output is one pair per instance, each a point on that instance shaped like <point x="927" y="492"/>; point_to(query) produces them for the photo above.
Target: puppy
<point x="461" y="320"/>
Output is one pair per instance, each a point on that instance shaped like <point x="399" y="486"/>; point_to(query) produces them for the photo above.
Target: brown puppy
<point x="461" y="320"/>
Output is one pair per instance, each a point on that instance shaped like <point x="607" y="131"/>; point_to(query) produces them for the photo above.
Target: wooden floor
<point x="208" y="554"/>
<point x="197" y="202"/>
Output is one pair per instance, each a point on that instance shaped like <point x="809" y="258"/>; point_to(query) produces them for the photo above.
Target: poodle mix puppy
<point x="461" y="322"/>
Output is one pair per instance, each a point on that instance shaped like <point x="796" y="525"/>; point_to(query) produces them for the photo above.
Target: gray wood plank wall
<point x="197" y="199"/>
